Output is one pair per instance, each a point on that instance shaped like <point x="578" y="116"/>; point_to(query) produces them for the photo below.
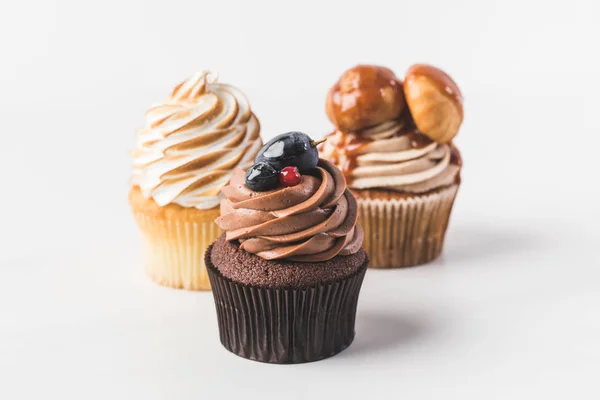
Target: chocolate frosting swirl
<point x="310" y="222"/>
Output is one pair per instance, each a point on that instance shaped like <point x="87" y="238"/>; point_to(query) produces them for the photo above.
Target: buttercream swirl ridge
<point x="310" y="222"/>
<point x="191" y="143"/>
<point x="392" y="155"/>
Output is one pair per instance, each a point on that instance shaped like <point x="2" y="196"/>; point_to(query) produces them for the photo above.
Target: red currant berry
<point x="290" y="176"/>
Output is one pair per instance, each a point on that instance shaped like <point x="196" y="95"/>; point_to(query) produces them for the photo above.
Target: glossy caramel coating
<point x="364" y="96"/>
<point x="435" y="102"/>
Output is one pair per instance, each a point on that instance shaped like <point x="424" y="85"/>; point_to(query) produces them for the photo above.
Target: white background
<point x="510" y="311"/>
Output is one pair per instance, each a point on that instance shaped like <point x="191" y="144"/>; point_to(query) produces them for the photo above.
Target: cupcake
<point x="393" y="142"/>
<point x="185" y="154"/>
<point x="287" y="272"/>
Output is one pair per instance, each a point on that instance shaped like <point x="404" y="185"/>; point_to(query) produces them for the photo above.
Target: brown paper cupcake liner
<point x="408" y="231"/>
<point x="285" y="325"/>
<point x="174" y="250"/>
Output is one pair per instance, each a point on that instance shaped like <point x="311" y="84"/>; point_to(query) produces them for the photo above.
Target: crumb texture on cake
<point x="249" y="269"/>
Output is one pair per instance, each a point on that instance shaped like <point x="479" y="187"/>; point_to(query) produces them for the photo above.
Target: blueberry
<point x="290" y="149"/>
<point x="262" y="177"/>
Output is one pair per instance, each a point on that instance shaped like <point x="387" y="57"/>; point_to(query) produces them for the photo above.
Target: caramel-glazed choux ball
<point x="364" y="96"/>
<point x="435" y="102"/>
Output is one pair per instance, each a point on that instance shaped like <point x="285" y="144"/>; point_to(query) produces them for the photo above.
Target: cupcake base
<point x="175" y="240"/>
<point x="404" y="230"/>
<point x="286" y="325"/>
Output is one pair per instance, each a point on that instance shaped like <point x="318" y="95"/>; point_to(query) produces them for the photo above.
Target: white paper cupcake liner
<point x="407" y="231"/>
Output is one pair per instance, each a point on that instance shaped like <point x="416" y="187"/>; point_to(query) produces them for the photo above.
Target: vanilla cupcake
<point x="185" y="154"/>
<point x="393" y="143"/>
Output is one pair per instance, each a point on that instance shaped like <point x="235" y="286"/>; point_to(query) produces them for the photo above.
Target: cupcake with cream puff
<point x="185" y="154"/>
<point x="393" y="142"/>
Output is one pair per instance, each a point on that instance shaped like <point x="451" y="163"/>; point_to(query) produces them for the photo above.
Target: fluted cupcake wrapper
<point x="174" y="250"/>
<point x="405" y="232"/>
<point x="286" y="325"/>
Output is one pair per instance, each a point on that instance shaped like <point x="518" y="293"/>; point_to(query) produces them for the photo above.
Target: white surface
<point x="509" y="312"/>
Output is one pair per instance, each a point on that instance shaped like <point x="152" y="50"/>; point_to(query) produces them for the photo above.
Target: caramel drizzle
<point x="347" y="146"/>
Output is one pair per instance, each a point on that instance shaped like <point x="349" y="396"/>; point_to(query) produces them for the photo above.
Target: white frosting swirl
<point x="386" y="156"/>
<point x="190" y="144"/>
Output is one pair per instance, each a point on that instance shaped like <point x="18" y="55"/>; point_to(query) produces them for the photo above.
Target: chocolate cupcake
<point x="287" y="273"/>
<point x="393" y="142"/>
